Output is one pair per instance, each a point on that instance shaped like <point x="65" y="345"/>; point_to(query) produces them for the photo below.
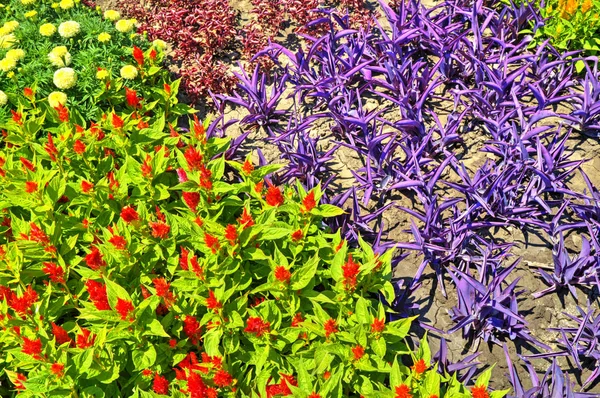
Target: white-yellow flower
<point x="17" y="54"/>
<point x="3" y="98"/>
<point x="112" y="15"/>
<point x="30" y="14"/>
<point x="65" y="78"/>
<point x="129" y="72"/>
<point x="8" y="27"/>
<point x="47" y="29"/>
<point x="101" y="74"/>
<point x="27" y="2"/>
<point x="7" y="64"/>
<point x="159" y="44"/>
<point x="125" y="25"/>
<point x="57" y="98"/>
<point x="68" y="29"/>
<point x="103" y="37"/>
<point x="7" y="41"/>
<point x="66" y="4"/>
<point x="60" y="57"/>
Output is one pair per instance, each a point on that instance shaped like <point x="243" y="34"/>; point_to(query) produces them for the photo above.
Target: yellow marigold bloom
<point x="59" y="57"/>
<point x="30" y="14"/>
<point x="3" y="98"/>
<point x="7" y="64"/>
<point x="10" y="74"/>
<point x="17" y="54"/>
<point x="65" y="78"/>
<point x="159" y="44"/>
<point x="47" y="29"/>
<point x="125" y="25"/>
<point x="129" y="72"/>
<point x="57" y="98"/>
<point x="68" y="29"/>
<point x="103" y="37"/>
<point x="66" y="4"/>
<point x="586" y="6"/>
<point x="101" y="74"/>
<point x="112" y="15"/>
<point x="27" y="2"/>
<point x="7" y="41"/>
<point x="8" y="27"/>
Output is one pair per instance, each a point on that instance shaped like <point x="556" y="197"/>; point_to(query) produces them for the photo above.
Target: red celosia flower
<point x="153" y="54"/>
<point x="314" y="395"/>
<point x="117" y="122"/>
<point x="138" y="55"/>
<point x="132" y="98"/>
<point x="172" y="343"/>
<point x="433" y="396"/>
<point x="331" y="327"/>
<point x="84" y="340"/>
<point x="191" y="199"/>
<point x="37" y="235"/>
<point x="113" y="184"/>
<point x="28" y="92"/>
<point x="167" y="88"/>
<point x="222" y="378"/>
<point x="351" y="270"/>
<point x="51" y="148"/>
<point x="205" y="175"/>
<point x="159" y="229"/>
<point x="86" y="187"/>
<point x="22" y="304"/>
<point x="274" y="196"/>
<point x="259" y="187"/>
<point x="183" y="258"/>
<point x="403" y="391"/>
<point x="378" y="325"/>
<point x="147" y="372"/>
<point x="19" y="381"/>
<point x="327" y="375"/>
<point x="257" y="326"/>
<point x="420" y="366"/>
<point x="17" y="117"/>
<point x="144" y="125"/>
<point x="57" y="369"/>
<point x="94" y="259"/>
<point x="246" y="219"/>
<point x="247" y="168"/>
<point x="32" y="347"/>
<point x="27" y="164"/>
<point x="118" y="242"/>
<point x="480" y="392"/>
<point x="128" y="214"/>
<point x="297" y="319"/>
<point x="199" y="130"/>
<point x="96" y="131"/>
<point x="282" y="274"/>
<point x="54" y="271"/>
<point x="162" y="287"/>
<point x="60" y="334"/>
<point x="212" y="242"/>
<point x="192" y="329"/>
<point x="97" y="292"/>
<point x="124" y="307"/>
<point x="160" y="385"/>
<point x="297" y="235"/>
<point x="211" y="302"/>
<point x="358" y="352"/>
<point x="231" y="234"/>
<point x="147" y="167"/>
<point x="63" y="113"/>
<point x="31" y="186"/>
<point x="308" y="203"/>
<point x="195" y="386"/>
<point x="193" y="158"/>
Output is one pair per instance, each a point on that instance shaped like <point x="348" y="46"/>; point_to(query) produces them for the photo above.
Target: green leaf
<point x="379" y="347"/>
<point x="274" y="233"/>
<point x="395" y="374"/>
<point x="144" y="358"/>
<point x="484" y="378"/>
<point x="155" y="328"/>
<point x="327" y="210"/>
<point x="499" y="394"/>
<point x="303" y="275"/>
<point x="114" y="292"/>
<point x="580" y="66"/>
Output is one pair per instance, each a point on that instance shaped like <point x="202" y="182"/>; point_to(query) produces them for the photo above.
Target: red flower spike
<point x="480" y="392"/>
<point x="19" y="381"/>
<point x="193" y="158"/>
<point x="205" y="175"/>
<point x="231" y="234"/>
<point x="212" y="243"/>
<point x="192" y="329"/>
<point x="144" y="125"/>
<point x="403" y="391"/>
<point x="28" y="92"/>
<point x="153" y="54"/>
<point x="132" y="98"/>
<point x="183" y="258"/>
<point x="167" y="88"/>
<point x="274" y="196"/>
<point x="57" y="369"/>
<point x="378" y="325"/>
<point x="84" y="340"/>
<point x="31" y="186"/>
<point x="199" y="130"/>
<point x="147" y="167"/>
<point x="330" y="327"/>
<point x="351" y="270"/>
<point x="172" y="343"/>
<point x="86" y="187"/>
<point x="17" y="117"/>
<point x="257" y="326"/>
<point x="27" y="164"/>
<point x="358" y="352"/>
<point x="147" y="372"/>
<point x="128" y="214"/>
<point x="419" y="367"/>
<point x="297" y="235"/>
<point x="117" y="122"/>
<point x="79" y="147"/>
<point x="22" y="304"/>
<point x="159" y="229"/>
<point x="160" y="385"/>
<point x="314" y="395"/>
<point x="54" y="271"/>
<point x="196" y="387"/>
<point x="247" y="168"/>
<point x="246" y="219"/>
<point x="51" y="148"/>
<point x="94" y="259"/>
<point x="212" y="303"/>
<point x="138" y="55"/>
<point x="222" y="379"/>
<point x="282" y="274"/>
<point x="124" y="307"/>
<point x="327" y="375"/>
<point x="32" y="347"/>
<point x="61" y="335"/>
<point x="37" y="235"/>
<point x="308" y="203"/>
<point x="63" y="113"/>
<point x="191" y="199"/>
<point x="297" y="320"/>
<point x="258" y="188"/>
<point x="97" y="292"/>
<point x="118" y="242"/>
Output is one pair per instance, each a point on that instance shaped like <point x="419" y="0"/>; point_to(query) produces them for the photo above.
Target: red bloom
<point x="183" y="258"/>
<point x="419" y="367"/>
<point x="403" y="391"/>
<point x="296" y="236"/>
<point x="28" y="92"/>
<point x="358" y="352"/>
<point x="433" y="396"/>
<point x="162" y="287"/>
<point x="167" y="88"/>
<point x="112" y="182"/>
<point x="60" y="334"/>
<point x="84" y="340"/>
<point x="54" y="271"/>
<point x="31" y="186"/>
<point x="144" y="125"/>
<point x="57" y="369"/>
<point x="19" y="381"/>
<point x="283" y="387"/>
<point x="231" y="234"/>
<point x="196" y="386"/>
<point x="32" y="347"/>
<point x="117" y="122"/>
<point x="222" y="378"/>
<point x="480" y="392"/>
<point x="274" y="196"/>
<point x="212" y="243"/>
<point x="351" y="270"/>
<point x="27" y="164"/>
<point x="297" y="319"/>
<point x="118" y="242"/>
<point x="160" y="385"/>
<point x="327" y="375"/>
<point x="97" y="292"/>
<point x="147" y="372"/>
<point x="51" y="148"/>
<point x="172" y="343"/>
<point x="37" y="235"/>
<point x="314" y="395"/>
<point x="86" y="187"/>
<point x="153" y="54"/>
<point x="331" y="327"/>
<point x="138" y="55"/>
<point x="193" y="158"/>
<point x="257" y="326"/>
<point x="128" y="214"/>
<point x="22" y="304"/>
<point x="191" y="199"/>
<point x="259" y="187"/>
<point x="308" y="203"/>
<point x="63" y="113"/>
<point x="147" y="167"/>
<point x="205" y="175"/>
<point x="247" y="168"/>
<point x="132" y="98"/>
<point x="159" y="229"/>
<point x="192" y="329"/>
<point x="94" y="259"/>
<point x="16" y="117"/>
<point x="211" y="302"/>
<point x="282" y="274"/>
<point x="246" y="219"/>
<point x="199" y="130"/>
<point x="124" y="307"/>
<point x="378" y="325"/>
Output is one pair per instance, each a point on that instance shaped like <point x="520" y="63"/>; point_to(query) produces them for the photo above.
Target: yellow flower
<point x="7" y="41"/>
<point x="7" y="64"/>
<point x="103" y="37"/>
<point x="129" y="72"/>
<point x="101" y="74"/>
<point x="3" y="98"/>
<point x="10" y="74"/>
<point x="66" y="4"/>
<point x="112" y="15"/>
<point x="27" y="2"/>
<point x="159" y="44"/>
<point x="8" y="27"/>
<point x="17" y="54"/>
<point x="65" y="78"/>
<point x="55" y="5"/>
<point x="59" y="56"/>
<point x="68" y="29"/>
<point x="30" y="14"/>
<point x="586" y="6"/>
<point x="125" y="25"/>
<point x="47" y="29"/>
<point x="57" y="98"/>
